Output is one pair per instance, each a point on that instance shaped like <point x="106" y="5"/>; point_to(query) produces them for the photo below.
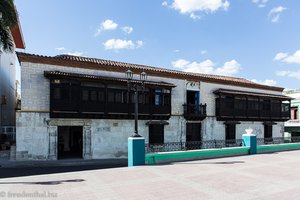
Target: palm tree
<point x="8" y="19"/>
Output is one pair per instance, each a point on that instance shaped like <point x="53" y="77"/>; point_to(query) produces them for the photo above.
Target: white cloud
<point x="275" y="12"/>
<point x="164" y="4"/>
<point x="203" y="52"/>
<point x="109" y="25"/>
<point x="230" y="67"/>
<point x="288" y="73"/>
<point x="72" y="53"/>
<point x="139" y="44"/>
<point x="60" y="48"/>
<point x="285" y="57"/>
<point x="280" y="56"/>
<point x="260" y="3"/>
<point x="191" y="7"/>
<point x="106" y="25"/>
<point x="180" y="63"/>
<point x="176" y="50"/>
<point x="127" y="29"/>
<point x="116" y="44"/>
<point x="207" y="67"/>
<point x="268" y="82"/>
<point x="194" y="16"/>
<point x="75" y="53"/>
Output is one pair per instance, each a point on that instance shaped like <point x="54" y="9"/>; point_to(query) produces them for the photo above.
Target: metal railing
<point x="277" y="140"/>
<point x="192" y="109"/>
<point x="212" y="144"/>
<point x="184" y="146"/>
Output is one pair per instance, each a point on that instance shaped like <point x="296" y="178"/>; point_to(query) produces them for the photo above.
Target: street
<point x="262" y="176"/>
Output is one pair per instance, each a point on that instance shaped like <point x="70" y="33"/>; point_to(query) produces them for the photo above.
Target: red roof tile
<point x="108" y="65"/>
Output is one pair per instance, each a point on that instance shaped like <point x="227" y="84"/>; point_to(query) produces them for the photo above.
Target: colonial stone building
<point x="77" y="106"/>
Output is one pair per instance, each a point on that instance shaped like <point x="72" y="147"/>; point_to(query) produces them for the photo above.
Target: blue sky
<point x="253" y="39"/>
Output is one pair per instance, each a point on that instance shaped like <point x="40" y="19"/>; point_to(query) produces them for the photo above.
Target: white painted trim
<point x="136" y="138"/>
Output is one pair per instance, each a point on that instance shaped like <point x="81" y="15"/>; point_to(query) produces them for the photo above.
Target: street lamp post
<point x="135" y="86"/>
<point x="136" y="143"/>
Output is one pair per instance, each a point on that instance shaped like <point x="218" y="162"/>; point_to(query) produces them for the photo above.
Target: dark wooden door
<point x="193" y="136"/>
<point x="156" y="134"/>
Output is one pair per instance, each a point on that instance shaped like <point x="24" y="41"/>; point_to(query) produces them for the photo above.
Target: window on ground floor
<point x="268" y="131"/>
<point x="230" y="130"/>
<point x="156" y="134"/>
<point x="193" y="132"/>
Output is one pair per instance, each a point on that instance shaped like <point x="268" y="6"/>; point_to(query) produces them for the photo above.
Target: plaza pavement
<point x="264" y="176"/>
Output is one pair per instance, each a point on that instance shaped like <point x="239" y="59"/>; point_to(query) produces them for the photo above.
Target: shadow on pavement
<point x="45" y="182"/>
<point x="8" y="172"/>
<point x="216" y="163"/>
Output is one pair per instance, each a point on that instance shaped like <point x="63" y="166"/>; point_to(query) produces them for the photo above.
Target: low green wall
<point x="278" y="147"/>
<point x="152" y="158"/>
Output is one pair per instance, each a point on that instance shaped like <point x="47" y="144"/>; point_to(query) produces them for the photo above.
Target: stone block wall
<point x="37" y="133"/>
<point x="32" y="136"/>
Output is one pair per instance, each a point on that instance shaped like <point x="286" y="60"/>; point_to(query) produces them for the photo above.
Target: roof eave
<point x="225" y="91"/>
<point x="53" y="74"/>
<point x="17" y="35"/>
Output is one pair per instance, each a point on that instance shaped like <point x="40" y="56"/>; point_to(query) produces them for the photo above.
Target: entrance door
<point x="192" y="101"/>
<point x="70" y="142"/>
<point x="193" y="136"/>
<point x="192" y="97"/>
<point x="268" y="134"/>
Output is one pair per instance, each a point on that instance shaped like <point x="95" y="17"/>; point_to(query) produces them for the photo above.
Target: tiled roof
<point x="145" y="67"/>
<point x="256" y="94"/>
<point x="108" y="65"/>
<point x="103" y="78"/>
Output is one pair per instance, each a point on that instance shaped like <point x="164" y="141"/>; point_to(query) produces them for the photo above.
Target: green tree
<point x="8" y="19"/>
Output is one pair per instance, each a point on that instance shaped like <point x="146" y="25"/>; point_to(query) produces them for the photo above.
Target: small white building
<point x="77" y="106"/>
<point x="8" y="90"/>
<point x="292" y="127"/>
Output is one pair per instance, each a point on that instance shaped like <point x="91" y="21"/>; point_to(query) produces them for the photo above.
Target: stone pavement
<point x="263" y="176"/>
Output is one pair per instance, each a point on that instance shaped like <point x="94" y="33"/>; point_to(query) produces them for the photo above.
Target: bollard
<point x="250" y="141"/>
<point x="136" y="151"/>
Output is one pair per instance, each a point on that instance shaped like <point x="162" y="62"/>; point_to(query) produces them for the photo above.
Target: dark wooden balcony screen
<point x="73" y="100"/>
<point x="252" y="109"/>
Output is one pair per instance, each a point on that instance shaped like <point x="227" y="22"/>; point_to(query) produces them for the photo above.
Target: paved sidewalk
<point x="263" y="176"/>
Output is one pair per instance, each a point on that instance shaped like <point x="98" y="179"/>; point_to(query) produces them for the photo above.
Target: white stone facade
<point x="102" y="138"/>
<point x="8" y="88"/>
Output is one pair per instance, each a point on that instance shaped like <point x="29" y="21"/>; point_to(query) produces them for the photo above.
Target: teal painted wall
<point x="136" y="151"/>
